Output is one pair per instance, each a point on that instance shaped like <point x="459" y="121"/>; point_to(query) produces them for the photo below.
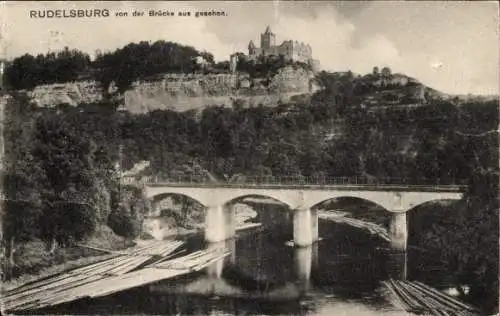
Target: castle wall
<point x="301" y="52"/>
<point x="256" y="53"/>
<point x="286" y="49"/>
<point x="291" y="50"/>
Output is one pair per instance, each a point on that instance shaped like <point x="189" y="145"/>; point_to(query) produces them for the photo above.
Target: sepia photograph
<point x="249" y="158"/>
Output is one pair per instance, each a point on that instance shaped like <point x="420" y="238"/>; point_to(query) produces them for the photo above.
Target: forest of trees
<point x="28" y="71"/>
<point x="123" y="66"/>
<point x="134" y="61"/>
<point x="60" y="183"/>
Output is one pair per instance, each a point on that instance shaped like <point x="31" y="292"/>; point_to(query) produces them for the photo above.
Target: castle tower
<point x="268" y="41"/>
<point x="251" y="48"/>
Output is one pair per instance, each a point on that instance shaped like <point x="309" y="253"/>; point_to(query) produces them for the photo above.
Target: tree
<point x="140" y="60"/>
<point x="64" y="222"/>
<point x="470" y="242"/>
<point x="128" y="212"/>
<point x="27" y="71"/>
<point x="209" y="57"/>
<point x="67" y="162"/>
<point x="474" y="245"/>
<point x="19" y="224"/>
<point x="386" y="72"/>
<point x="21" y="175"/>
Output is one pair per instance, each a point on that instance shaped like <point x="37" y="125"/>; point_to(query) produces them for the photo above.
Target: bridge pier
<point x="314" y="225"/>
<point x="398" y="231"/>
<point x="305" y="227"/>
<point x="219" y="223"/>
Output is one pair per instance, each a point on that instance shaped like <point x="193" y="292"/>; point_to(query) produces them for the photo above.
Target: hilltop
<point x="163" y="75"/>
<point x="184" y="92"/>
<point x="384" y="89"/>
<point x="381" y="89"/>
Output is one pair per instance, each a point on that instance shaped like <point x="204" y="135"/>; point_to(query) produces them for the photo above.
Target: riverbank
<point x="52" y="270"/>
<point x="34" y="261"/>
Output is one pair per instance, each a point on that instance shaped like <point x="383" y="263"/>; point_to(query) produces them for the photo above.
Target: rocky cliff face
<point x="290" y="79"/>
<point x="71" y="93"/>
<point x="186" y="91"/>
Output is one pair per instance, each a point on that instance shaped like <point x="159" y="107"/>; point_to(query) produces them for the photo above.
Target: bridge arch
<point x="426" y="201"/>
<point x="385" y="200"/>
<point x="435" y="217"/>
<point x="267" y="210"/>
<point x="287" y="197"/>
<point x="157" y="193"/>
<point x="392" y="201"/>
<point x="359" y="211"/>
<point x="272" y="199"/>
<point x="156" y="199"/>
<point x="162" y="196"/>
<point x="315" y="206"/>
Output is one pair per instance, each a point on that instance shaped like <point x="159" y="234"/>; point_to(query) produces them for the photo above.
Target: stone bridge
<point x="302" y="199"/>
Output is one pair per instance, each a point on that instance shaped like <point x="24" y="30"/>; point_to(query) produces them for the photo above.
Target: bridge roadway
<point x="302" y="199"/>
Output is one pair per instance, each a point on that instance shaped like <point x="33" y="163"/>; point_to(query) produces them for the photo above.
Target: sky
<point x="450" y="46"/>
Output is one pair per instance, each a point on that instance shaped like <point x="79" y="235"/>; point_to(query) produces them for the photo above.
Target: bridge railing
<point x="298" y="180"/>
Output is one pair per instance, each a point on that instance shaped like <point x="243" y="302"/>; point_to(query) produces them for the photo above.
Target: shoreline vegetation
<point x="92" y="251"/>
<point x="53" y="270"/>
<point x="34" y="261"/>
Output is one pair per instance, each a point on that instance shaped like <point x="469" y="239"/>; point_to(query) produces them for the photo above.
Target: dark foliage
<point x="127" y="215"/>
<point x="27" y="71"/>
<point x="123" y="66"/>
<point x="141" y="60"/>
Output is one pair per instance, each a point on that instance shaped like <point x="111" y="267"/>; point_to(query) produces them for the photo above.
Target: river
<point x="340" y="275"/>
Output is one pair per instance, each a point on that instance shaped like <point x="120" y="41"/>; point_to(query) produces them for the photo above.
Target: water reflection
<point x="305" y="259"/>
<point x="340" y="274"/>
<point x="215" y="270"/>
<point x="397" y="262"/>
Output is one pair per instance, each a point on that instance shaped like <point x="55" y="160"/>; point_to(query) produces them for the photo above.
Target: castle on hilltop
<point x="289" y="49"/>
